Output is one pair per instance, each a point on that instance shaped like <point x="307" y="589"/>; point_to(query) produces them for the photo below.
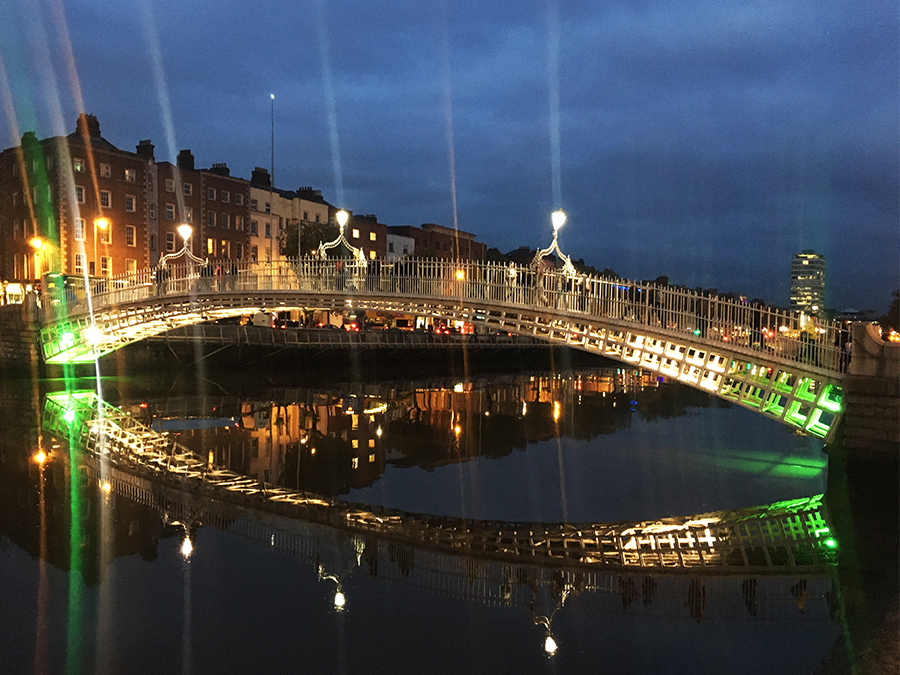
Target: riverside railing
<point x="669" y="310"/>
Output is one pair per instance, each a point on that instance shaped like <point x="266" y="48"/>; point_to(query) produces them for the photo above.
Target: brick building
<point x="74" y="203"/>
<point x="436" y="241"/>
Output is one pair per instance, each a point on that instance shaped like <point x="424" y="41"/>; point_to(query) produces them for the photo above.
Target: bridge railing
<point x="734" y="322"/>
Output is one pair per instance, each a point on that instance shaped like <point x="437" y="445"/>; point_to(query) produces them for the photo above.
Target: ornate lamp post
<point x="558" y="219"/>
<point x="359" y="256"/>
<point x="99" y="224"/>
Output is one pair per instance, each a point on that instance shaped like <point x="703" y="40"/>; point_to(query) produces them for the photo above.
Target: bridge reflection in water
<point x="774" y="561"/>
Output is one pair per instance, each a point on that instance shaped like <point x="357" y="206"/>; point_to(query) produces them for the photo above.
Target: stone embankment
<point x="20" y="350"/>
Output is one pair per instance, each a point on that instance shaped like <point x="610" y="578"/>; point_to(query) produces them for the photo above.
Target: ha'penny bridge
<point x="484" y="560"/>
<point x="773" y="362"/>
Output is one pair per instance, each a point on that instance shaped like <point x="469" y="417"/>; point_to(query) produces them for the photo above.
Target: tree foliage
<point x="311" y="235"/>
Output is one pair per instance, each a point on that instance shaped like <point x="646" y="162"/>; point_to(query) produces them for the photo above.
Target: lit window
<point x="372" y="254"/>
<point x="211" y="218"/>
<point x="189" y="214"/>
<point x="130" y="175"/>
<point x="78" y="165"/>
<point x="104" y="266"/>
<point x="129" y="235"/>
<point x="105" y="170"/>
<point x="129" y="203"/>
<point x="211" y="193"/>
<point x="170" y="185"/>
<point x="239" y="223"/>
<point x="79" y="194"/>
<point x="226" y="196"/>
<point x="170" y="212"/>
<point x="106" y="235"/>
<point x="354" y="443"/>
<point x="188" y="189"/>
<point x="211" y="246"/>
<point x="79" y="229"/>
<point x="79" y="263"/>
<point x="372" y="457"/>
<point x="372" y="236"/>
<point x="355" y="462"/>
<point x="170" y="241"/>
<point x="355" y="234"/>
<point x="371" y="440"/>
<point x="223" y="248"/>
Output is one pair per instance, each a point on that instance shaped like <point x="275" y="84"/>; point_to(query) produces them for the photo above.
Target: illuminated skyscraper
<point x="808" y="282"/>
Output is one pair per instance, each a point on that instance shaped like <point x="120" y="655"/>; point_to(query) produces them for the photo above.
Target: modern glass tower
<point x="808" y="282"/>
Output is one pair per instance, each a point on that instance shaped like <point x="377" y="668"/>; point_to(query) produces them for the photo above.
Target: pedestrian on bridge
<point x="162" y="276"/>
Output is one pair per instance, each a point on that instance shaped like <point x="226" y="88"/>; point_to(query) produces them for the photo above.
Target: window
<point x="105" y="266"/>
<point x="211" y="218"/>
<point x="130" y="203"/>
<point x="78" y="165"/>
<point x="211" y="246"/>
<point x="170" y="212"/>
<point x="254" y="205"/>
<point x="226" y="196"/>
<point x="371" y="236"/>
<point x="188" y="189"/>
<point x="317" y="217"/>
<point x="238" y="199"/>
<point x="225" y="221"/>
<point x="105" y="235"/>
<point x="15" y="198"/>
<point x="372" y="254"/>
<point x="268" y="208"/>
<point x="130" y="235"/>
<point x="390" y="247"/>
<point x="211" y="193"/>
<point x="254" y="254"/>
<point x="170" y="185"/>
<point x="152" y="240"/>
<point x="130" y="175"/>
<point x="372" y="457"/>
<point x="254" y="228"/>
<point x="188" y="214"/>
<point x="105" y="170"/>
<point x="268" y="230"/>
<point x="79" y="263"/>
<point x="17" y="229"/>
<point x="170" y="241"/>
<point x="306" y="215"/>
<point x="48" y="161"/>
<point x="405" y="249"/>
<point x="238" y="250"/>
<point x="223" y="249"/>
<point x="355" y="233"/>
<point x="130" y="265"/>
<point x="79" y="194"/>
<point x="355" y="462"/>
<point x="152" y="211"/>
<point x="79" y="229"/>
<point x="239" y="223"/>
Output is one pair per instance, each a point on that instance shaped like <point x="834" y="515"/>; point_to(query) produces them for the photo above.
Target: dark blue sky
<point x="706" y="140"/>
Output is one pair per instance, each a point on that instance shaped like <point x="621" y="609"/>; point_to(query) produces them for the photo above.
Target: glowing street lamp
<point x="185" y="231"/>
<point x="342" y="217"/>
<point x="557" y="219"/>
<point x="38" y="245"/>
<point x="99" y="224"/>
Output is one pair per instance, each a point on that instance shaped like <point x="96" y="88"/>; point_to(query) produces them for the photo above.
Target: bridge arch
<point x="779" y="364"/>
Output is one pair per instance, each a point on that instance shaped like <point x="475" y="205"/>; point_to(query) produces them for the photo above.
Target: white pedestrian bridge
<point x="780" y="364"/>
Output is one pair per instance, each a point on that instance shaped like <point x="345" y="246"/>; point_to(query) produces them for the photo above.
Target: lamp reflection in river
<point x="340" y="600"/>
<point x="550" y="645"/>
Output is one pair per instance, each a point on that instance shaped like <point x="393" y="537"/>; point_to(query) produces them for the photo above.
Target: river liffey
<point x="409" y="550"/>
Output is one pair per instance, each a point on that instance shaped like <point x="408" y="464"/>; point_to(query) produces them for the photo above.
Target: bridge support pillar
<point x="20" y="338"/>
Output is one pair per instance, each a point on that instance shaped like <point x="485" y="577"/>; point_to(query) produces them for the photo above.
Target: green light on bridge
<point x="69" y="415"/>
<point x="830" y="542"/>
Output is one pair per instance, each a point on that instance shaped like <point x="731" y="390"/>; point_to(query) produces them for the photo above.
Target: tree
<point x="311" y="235"/>
<point x="892" y="318"/>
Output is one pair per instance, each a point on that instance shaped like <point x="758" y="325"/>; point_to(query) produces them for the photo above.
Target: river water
<point x="96" y="582"/>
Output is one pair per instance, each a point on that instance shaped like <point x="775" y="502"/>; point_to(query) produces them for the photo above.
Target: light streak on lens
<point x="553" y="79"/>
<point x="330" y="111"/>
<point x="446" y="73"/>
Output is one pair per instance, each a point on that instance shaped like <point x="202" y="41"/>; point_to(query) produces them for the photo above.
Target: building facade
<point x="808" y="282"/>
<point x="437" y="241"/>
<point x="75" y="204"/>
